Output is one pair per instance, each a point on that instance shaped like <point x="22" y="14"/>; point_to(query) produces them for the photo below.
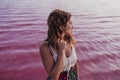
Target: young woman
<point x="58" y="50"/>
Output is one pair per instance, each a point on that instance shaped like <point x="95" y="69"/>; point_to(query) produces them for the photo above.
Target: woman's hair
<point x="57" y="19"/>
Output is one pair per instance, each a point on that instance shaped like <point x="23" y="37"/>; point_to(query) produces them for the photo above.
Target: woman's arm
<point x="52" y="69"/>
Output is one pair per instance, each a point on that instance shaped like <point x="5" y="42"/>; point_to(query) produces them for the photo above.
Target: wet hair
<point x="57" y="18"/>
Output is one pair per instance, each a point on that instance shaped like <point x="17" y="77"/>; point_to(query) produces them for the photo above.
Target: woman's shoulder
<point x="44" y="45"/>
<point x="45" y="50"/>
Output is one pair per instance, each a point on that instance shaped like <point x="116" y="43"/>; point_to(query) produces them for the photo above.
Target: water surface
<point x="96" y="29"/>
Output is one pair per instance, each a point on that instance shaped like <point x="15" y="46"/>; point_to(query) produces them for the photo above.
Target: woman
<point x="58" y="50"/>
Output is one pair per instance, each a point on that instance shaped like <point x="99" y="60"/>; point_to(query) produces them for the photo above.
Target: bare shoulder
<point x="44" y="48"/>
<point x="45" y="51"/>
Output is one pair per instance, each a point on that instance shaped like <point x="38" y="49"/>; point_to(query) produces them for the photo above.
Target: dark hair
<point x="56" y="19"/>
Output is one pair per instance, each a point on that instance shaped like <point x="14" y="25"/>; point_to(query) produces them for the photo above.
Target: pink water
<point x="96" y="29"/>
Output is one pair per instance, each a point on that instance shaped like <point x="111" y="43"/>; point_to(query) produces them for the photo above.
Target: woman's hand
<point x="61" y="46"/>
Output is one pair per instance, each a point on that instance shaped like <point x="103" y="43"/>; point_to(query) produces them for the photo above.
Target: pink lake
<point x="96" y="29"/>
